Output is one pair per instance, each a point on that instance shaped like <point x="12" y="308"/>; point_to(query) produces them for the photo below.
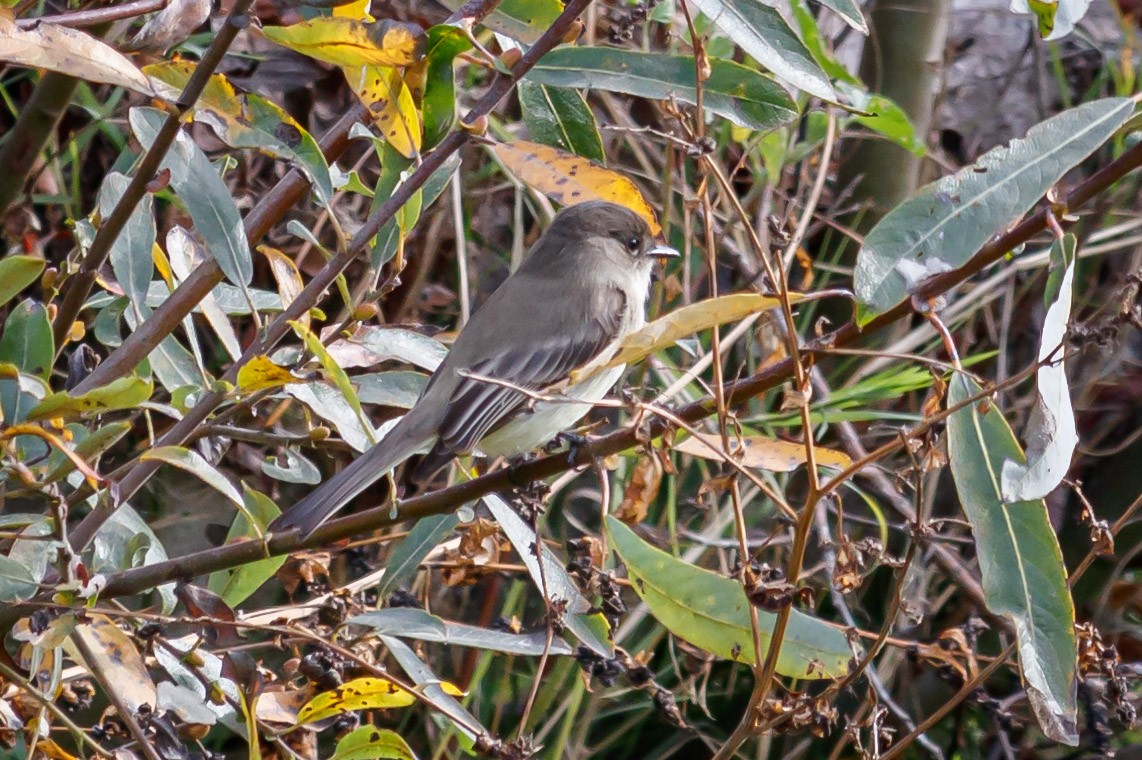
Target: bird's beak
<point x="663" y="252"/>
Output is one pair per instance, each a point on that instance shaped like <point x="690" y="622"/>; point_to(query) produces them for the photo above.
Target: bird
<point x="582" y="286"/>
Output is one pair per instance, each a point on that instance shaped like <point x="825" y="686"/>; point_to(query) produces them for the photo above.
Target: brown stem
<point x="94" y="16"/>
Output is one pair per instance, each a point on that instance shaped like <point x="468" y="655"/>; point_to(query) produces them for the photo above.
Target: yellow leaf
<point x="260" y="373"/>
<point x="666" y="331"/>
<point x="762" y="452"/>
<point x="568" y="179"/>
<point x="349" y="42"/>
<point x="361" y="694"/>
<point x="358" y="9"/>
<point x="123" y="393"/>
<point x="390" y="101"/>
<point x="287" y="277"/>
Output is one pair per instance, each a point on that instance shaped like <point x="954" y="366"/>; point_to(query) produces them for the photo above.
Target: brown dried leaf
<point x="641" y="490"/>
<point x="762" y="452"/>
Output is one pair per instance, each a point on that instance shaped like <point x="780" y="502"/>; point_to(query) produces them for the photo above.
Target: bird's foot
<point x="574" y="442"/>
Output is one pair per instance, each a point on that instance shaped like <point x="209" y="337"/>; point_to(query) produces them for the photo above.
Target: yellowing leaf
<point x="71" y="52"/>
<point x="261" y="373"/>
<point x="340" y="379"/>
<point x="349" y="42"/>
<point x="762" y="452"/>
<point x="287" y="277"/>
<point x="124" y="393"/>
<point x="389" y="100"/>
<point x="361" y="694"/>
<point x="668" y="330"/>
<point x="568" y="179"/>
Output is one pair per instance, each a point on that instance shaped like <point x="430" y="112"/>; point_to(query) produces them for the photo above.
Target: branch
<point x="95" y="16"/>
<point x="77" y="287"/>
<point x="736" y="394"/>
<point x="314" y="289"/>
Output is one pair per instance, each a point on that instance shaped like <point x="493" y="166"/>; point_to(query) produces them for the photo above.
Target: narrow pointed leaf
<point x="559" y="117"/>
<point x="1020" y="561"/>
<point x="17" y="273"/>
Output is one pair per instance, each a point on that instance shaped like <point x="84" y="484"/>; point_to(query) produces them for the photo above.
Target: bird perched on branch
<point x="581" y="288"/>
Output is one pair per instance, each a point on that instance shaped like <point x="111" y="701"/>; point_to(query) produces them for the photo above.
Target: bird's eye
<point x="633" y="243"/>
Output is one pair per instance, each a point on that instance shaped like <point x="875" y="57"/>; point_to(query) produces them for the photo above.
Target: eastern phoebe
<point x="580" y="289"/>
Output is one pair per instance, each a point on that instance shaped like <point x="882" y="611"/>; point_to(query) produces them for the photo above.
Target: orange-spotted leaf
<point x="762" y="452"/>
<point x="372" y="743"/>
<point x="350" y="42"/>
<point x="568" y="179"/>
<point x="666" y="331"/>
<point x="361" y="694"/>
<point x="261" y="373"/>
<point x="383" y="90"/>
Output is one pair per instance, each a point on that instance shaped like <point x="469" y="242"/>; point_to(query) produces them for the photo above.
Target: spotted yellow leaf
<point x="383" y="90"/>
<point x="351" y="42"/>
<point x="568" y="179"/>
<point x="361" y="694"/>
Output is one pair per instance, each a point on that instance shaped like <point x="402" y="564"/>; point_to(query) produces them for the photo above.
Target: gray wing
<point x="476" y="407"/>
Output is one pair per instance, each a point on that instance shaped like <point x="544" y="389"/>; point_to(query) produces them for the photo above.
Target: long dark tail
<point x="320" y="505"/>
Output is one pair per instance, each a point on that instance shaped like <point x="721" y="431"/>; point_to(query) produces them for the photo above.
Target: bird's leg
<point x="575" y="442"/>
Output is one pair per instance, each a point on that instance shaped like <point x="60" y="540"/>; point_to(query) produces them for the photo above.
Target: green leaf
<point x="1052" y="435"/>
<point x="417" y="624"/>
<point x="385" y="245"/>
<point x="297" y="468"/>
<point x="738" y="93"/>
<point x="948" y="221"/>
<point x="762" y="33"/>
<point x="235" y="586"/>
<point x="849" y="12"/>
<point x="553" y="580"/>
<point x="1020" y="561"/>
<point x="371" y="743"/>
<point x="340" y="379"/>
<point x="27" y="345"/>
<point x="398" y="388"/>
<point x="132" y="253"/>
<point x="413" y="548"/>
<point x="438" y="104"/>
<point x="523" y="20"/>
<point x="711" y="612"/>
<point x="328" y="403"/>
<point x="426" y="681"/>
<point x="205" y="195"/>
<point x="381" y="344"/>
<point x="17" y="273"/>
<point x="192" y="462"/>
<point x="88" y="446"/>
<point x="123" y="393"/>
<point x="559" y="117"/>
<point x="16" y="581"/>
<point x="883" y="117"/>
<point x="126" y="541"/>
<point x="27" y="341"/>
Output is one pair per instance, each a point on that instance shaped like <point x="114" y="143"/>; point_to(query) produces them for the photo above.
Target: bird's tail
<point x="320" y="505"/>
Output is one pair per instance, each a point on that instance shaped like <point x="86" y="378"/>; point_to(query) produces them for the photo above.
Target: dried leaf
<point x="762" y="452"/>
<point x="114" y="656"/>
<point x="641" y="490"/>
<point x="71" y="52"/>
